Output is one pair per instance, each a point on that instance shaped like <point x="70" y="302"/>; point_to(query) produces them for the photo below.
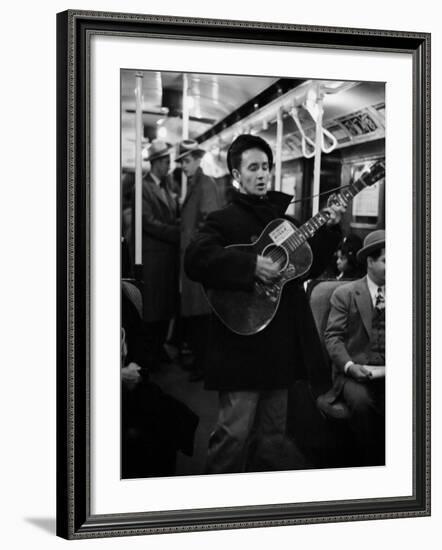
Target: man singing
<point x="252" y="373"/>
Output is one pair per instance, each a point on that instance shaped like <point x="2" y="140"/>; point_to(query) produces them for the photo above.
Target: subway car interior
<point x="324" y="136"/>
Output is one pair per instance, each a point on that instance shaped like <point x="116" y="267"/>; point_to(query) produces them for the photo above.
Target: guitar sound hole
<point x="277" y="254"/>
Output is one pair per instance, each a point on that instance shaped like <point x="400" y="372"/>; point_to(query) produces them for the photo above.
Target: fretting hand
<point x="335" y="209"/>
<point x="266" y="270"/>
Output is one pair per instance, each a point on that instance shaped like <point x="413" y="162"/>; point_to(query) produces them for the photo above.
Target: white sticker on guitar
<point x="281" y="233"/>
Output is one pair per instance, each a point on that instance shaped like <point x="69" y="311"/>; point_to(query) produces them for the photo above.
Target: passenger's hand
<point x="130" y="375"/>
<point x="266" y="269"/>
<point x="359" y="373"/>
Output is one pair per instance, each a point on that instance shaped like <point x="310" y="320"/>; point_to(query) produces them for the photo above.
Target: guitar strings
<point x="299" y="237"/>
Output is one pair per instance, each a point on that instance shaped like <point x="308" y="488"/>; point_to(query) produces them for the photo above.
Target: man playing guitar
<point x="252" y="369"/>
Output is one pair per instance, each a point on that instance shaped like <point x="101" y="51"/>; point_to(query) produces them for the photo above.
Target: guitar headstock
<point x="375" y="174"/>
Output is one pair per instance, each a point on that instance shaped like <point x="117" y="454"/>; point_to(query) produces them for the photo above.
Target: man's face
<point x="254" y="172"/>
<point x="376" y="269"/>
<point x="189" y="164"/>
<point x="162" y="166"/>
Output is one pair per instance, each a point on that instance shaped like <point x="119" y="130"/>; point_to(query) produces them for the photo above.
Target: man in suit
<point x="355" y="341"/>
<point x="160" y="252"/>
<point x="202" y="197"/>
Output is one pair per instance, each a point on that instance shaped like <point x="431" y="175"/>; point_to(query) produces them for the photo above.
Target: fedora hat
<point x="188" y="146"/>
<point x="157" y="150"/>
<point x="372" y="242"/>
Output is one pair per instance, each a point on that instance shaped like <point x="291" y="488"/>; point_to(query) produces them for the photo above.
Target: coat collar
<point x="156" y="189"/>
<point x="274" y="200"/>
<point x="193" y="183"/>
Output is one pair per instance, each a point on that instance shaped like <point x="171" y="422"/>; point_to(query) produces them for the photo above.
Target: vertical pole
<point x="138" y="173"/>
<point x="184" y="135"/>
<point x="185" y="132"/>
<point x="278" y="159"/>
<point x="318" y="150"/>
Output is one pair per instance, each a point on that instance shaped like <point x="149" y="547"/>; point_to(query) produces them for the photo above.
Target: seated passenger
<point x="155" y="425"/>
<point x="347" y="263"/>
<point x="355" y="341"/>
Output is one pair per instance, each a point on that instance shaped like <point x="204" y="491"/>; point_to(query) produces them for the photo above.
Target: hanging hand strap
<point x="308" y="152"/>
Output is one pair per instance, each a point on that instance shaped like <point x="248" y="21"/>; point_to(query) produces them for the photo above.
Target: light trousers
<point x="250" y="432"/>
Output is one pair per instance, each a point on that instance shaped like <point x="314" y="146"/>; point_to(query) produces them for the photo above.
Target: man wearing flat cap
<point x="160" y="252"/>
<point x="202" y="197"/>
<point x="355" y="341"/>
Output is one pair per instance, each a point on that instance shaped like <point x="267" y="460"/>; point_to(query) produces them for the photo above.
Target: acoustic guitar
<point x="249" y="312"/>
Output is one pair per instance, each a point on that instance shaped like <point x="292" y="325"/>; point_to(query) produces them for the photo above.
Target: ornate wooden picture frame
<point x="75" y="516"/>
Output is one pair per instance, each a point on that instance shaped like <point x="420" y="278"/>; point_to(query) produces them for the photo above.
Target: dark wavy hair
<point x="242" y="143"/>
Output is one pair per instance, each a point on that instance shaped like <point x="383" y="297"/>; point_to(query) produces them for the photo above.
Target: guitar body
<point x="249" y="312"/>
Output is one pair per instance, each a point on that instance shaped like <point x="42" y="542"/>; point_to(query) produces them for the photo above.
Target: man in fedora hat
<point x="355" y="341"/>
<point x="202" y="197"/>
<point x="160" y="252"/>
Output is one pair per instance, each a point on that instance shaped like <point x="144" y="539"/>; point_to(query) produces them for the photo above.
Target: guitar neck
<point x="309" y="228"/>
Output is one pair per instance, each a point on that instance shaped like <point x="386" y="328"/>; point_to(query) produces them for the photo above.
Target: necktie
<point x="380" y="299"/>
<point x="163" y="190"/>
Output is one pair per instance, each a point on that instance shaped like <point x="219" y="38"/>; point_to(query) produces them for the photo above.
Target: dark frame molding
<point x="74" y="30"/>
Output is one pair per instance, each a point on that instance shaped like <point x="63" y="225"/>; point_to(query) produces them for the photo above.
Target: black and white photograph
<point x="253" y="268"/>
<point x="233" y="351"/>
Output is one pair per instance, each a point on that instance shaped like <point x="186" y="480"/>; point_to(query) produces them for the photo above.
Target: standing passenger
<point x="202" y="197"/>
<point x="160" y="252"/>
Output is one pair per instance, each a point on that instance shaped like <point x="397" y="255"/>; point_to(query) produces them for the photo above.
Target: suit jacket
<point x="160" y="252"/>
<point x="347" y="336"/>
<point x="202" y="198"/>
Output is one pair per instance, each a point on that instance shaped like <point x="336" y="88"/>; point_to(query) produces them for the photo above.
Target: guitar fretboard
<point x="308" y="229"/>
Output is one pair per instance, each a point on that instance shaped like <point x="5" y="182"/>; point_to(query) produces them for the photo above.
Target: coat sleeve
<point x="207" y="261"/>
<point x="210" y="200"/>
<point x="336" y="332"/>
<point x="159" y="229"/>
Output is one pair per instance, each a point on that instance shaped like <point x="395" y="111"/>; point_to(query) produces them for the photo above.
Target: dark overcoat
<point x="160" y="251"/>
<point x="288" y="348"/>
<point x="203" y="197"/>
